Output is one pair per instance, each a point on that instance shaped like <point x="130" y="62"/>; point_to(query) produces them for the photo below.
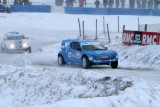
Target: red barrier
<point x="128" y="37"/>
<point x="150" y="38"/>
<point x="159" y="38"/>
<point x="140" y="38"/>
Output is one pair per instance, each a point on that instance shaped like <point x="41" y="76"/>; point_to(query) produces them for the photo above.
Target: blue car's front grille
<point x="109" y="58"/>
<point x="18" y="44"/>
<point x="104" y="58"/>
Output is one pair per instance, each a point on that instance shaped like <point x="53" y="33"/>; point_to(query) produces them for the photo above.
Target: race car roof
<point x="10" y="34"/>
<point x="78" y="40"/>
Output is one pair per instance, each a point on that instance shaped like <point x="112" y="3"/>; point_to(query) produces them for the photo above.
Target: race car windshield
<point x="15" y="38"/>
<point x="93" y="47"/>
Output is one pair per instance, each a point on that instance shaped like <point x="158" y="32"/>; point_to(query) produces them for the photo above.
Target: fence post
<point x="138" y="24"/>
<point x="118" y="24"/>
<point x="123" y="27"/>
<point x="79" y="27"/>
<point x="108" y="33"/>
<point x="96" y="30"/>
<point x="145" y="28"/>
<point x="104" y="25"/>
<point x="83" y="30"/>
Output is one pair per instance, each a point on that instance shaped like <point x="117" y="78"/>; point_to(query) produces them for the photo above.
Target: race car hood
<point x="102" y="53"/>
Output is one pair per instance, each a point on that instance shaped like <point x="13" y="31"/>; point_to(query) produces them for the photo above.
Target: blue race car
<point x="86" y="53"/>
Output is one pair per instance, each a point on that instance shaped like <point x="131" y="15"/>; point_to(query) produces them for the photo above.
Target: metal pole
<point x="108" y="33"/>
<point x="104" y="25"/>
<point x="145" y="27"/>
<point x="123" y="27"/>
<point x="96" y="30"/>
<point x="118" y="24"/>
<point x="79" y="27"/>
<point x="83" y="30"/>
<point x="138" y="24"/>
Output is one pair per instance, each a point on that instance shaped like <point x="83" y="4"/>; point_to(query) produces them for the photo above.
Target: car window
<point x="15" y="37"/>
<point x="93" y="47"/>
<point x="75" y="46"/>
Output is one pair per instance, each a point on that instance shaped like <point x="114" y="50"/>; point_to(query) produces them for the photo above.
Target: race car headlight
<point x="12" y="46"/>
<point x="95" y="57"/>
<point x="25" y="45"/>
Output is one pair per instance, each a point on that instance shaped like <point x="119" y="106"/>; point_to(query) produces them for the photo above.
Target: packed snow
<point x="35" y="80"/>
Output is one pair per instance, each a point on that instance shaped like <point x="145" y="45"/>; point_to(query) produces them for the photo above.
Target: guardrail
<point x="29" y="8"/>
<point x="111" y="11"/>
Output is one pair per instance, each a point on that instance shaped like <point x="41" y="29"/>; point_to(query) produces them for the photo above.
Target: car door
<point x="74" y="53"/>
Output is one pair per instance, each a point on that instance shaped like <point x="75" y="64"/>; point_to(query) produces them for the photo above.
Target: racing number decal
<point x="78" y="55"/>
<point x="69" y="54"/>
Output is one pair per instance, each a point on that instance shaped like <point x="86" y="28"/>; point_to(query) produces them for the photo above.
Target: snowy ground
<point x="35" y="79"/>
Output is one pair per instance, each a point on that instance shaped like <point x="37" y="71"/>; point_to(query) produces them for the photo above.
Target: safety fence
<point x="111" y="11"/>
<point x="29" y="8"/>
<point x="140" y="38"/>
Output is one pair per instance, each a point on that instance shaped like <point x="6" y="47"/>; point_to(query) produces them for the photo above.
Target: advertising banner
<point x="140" y="38"/>
<point x="150" y="38"/>
<point x="137" y="38"/>
<point x="128" y="37"/>
<point x="159" y="38"/>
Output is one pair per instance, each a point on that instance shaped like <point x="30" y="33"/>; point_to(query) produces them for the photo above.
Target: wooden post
<point x="79" y="27"/>
<point x="123" y="27"/>
<point x="138" y="24"/>
<point x="118" y="24"/>
<point x="145" y="28"/>
<point x="104" y="25"/>
<point x="96" y="30"/>
<point x="83" y="30"/>
<point x="108" y="33"/>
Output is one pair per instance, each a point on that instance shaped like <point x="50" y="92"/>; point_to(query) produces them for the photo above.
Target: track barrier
<point x="140" y="38"/>
<point x="30" y="8"/>
<point x="111" y="11"/>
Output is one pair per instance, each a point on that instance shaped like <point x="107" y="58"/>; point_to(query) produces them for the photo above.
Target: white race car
<point x="15" y="42"/>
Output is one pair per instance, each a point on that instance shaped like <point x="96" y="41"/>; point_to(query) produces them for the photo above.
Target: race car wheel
<point x="2" y="49"/>
<point x="60" y="60"/>
<point x="29" y="50"/>
<point x="86" y="63"/>
<point x="114" y="65"/>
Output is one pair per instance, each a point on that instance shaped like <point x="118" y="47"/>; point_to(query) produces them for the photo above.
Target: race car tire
<point x="85" y="62"/>
<point x="2" y="49"/>
<point x="61" y="60"/>
<point x="114" y="65"/>
<point x="5" y="50"/>
<point x="29" y="50"/>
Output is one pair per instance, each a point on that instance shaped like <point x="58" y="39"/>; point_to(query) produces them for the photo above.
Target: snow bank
<point x="27" y="85"/>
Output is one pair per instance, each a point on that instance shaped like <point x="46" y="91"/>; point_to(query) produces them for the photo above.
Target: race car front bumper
<point x="102" y="61"/>
<point x="17" y="50"/>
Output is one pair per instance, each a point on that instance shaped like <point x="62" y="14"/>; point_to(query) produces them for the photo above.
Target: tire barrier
<point x="29" y="8"/>
<point x="140" y="38"/>
<point x="111" y="11"/>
